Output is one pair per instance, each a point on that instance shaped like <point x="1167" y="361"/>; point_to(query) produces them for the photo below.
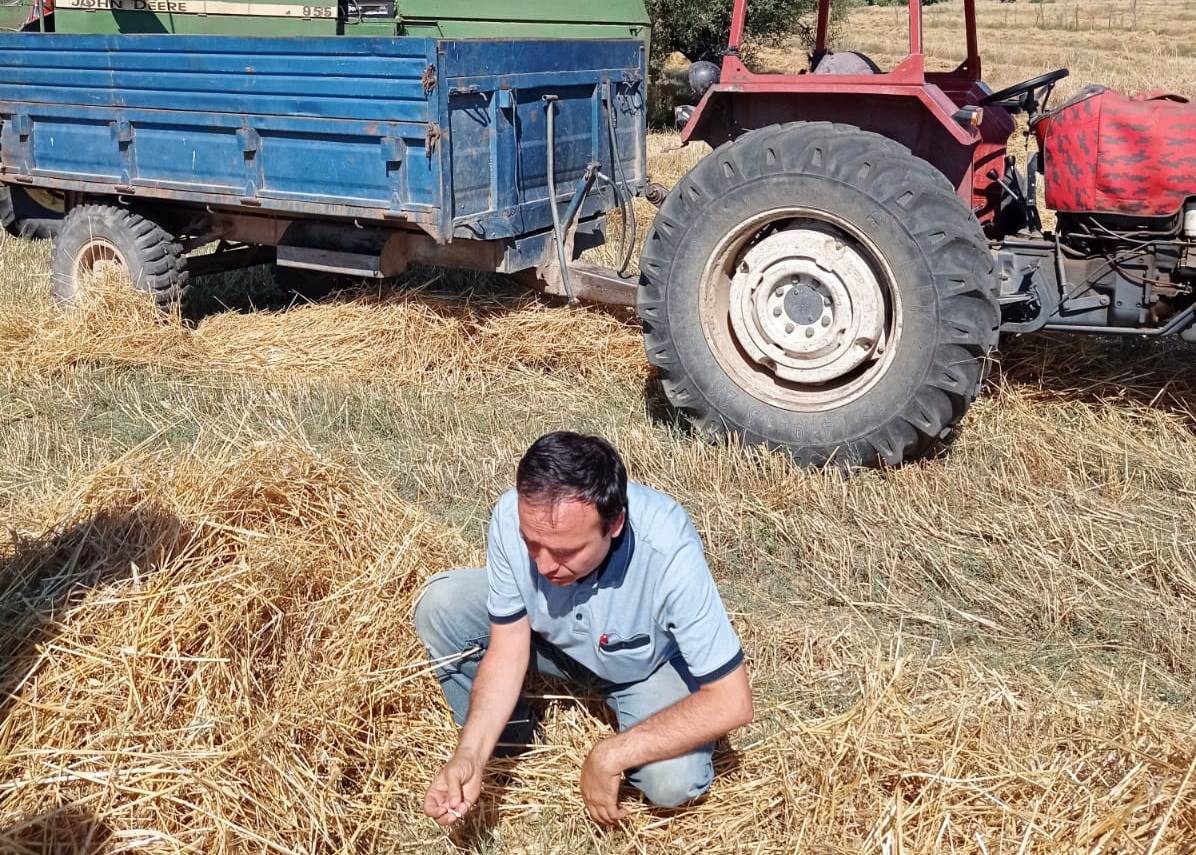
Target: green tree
<point x="699" y="28"/>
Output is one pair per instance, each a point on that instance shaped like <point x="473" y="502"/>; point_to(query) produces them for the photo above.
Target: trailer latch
<point x="394" y="150"/>
<point x="432" y="137"/>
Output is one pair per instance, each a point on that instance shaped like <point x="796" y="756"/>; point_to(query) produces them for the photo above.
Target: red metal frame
<point x="888" y="101"/>
<point x="909" y="75"/>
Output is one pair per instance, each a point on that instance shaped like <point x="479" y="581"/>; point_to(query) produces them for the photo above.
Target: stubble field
<point x="211" y="538"/>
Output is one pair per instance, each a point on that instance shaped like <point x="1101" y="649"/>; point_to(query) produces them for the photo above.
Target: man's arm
<point x="495" y="693"/>
<point x="710" y="713"/>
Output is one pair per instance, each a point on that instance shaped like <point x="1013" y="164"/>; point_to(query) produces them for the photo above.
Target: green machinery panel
<point x="14" y="14"/>
<point x="452" y="19"/>
<point x="468" y="19"/>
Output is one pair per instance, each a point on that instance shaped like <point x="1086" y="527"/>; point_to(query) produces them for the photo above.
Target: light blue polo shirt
<point x="653" y="600"/>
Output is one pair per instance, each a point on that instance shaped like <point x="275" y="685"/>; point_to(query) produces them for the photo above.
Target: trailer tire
<point x="816" y="288"/>
<point x="96" y="234"/>
<point x="36" y="215"/>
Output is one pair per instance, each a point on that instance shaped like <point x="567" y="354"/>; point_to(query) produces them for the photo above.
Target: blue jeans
<point x="451" y="618"/>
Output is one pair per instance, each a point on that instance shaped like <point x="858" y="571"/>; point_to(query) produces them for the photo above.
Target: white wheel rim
<point x="831" y="357"/>
<point x="94" y="256"/>
<point x="807" y="305"/>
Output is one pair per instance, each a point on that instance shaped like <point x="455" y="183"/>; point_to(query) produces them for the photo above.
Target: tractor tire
<point x="28" y="213"/>
<point x="816" y="288"/>
<point x="93" y="235"/>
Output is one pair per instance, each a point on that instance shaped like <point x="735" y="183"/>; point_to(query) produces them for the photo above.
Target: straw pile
<point x="239" y="677"/>
<point x="218" y="658"/>
<point x="404" y="335"/>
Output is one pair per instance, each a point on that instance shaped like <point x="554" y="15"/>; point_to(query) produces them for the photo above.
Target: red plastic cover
<point x="1109" y="154"/>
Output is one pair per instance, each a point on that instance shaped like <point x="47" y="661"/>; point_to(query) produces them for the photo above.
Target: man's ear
<point x="616" y="527"/>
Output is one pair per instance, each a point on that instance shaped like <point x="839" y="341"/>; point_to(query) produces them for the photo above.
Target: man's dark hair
<point x="564" y="465"/>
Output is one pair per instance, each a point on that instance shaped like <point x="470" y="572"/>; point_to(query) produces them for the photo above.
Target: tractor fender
<point x="919" y="117"/>
<point x="818" y="97"/>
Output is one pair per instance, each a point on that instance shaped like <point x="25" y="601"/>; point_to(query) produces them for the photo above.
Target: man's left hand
<point x="600" y="778"/>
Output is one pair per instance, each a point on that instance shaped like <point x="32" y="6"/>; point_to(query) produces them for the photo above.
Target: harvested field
<point x="211" y="538"/>
<point x="1133" y="45"/>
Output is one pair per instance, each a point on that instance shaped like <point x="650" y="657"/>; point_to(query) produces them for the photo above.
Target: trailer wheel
<point x="95" y="236"/>
<point x="30" y="212"/>
<point x="816" y="288"/>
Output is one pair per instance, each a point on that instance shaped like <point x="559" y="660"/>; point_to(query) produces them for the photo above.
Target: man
<point x="599" y="582"/>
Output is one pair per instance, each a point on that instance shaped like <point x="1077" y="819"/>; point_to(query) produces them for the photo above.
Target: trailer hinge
<point x="433" y="137"/>
<point x="394" y="150"/>
<point x="22" y="124"/>
<point x="429" y="79"/>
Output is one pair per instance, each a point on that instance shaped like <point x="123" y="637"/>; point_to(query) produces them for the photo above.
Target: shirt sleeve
<point x="504" y="602"/>
<point x="692" y="612"/>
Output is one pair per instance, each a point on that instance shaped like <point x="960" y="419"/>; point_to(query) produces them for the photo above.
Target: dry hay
<point x="406" y="336"/>
<point x="212" y="656"/>
<point x="218" y="657"/>
<point x="215" y="655"/>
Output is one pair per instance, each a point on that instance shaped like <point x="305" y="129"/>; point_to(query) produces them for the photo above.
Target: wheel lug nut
<point x="826" y="322"/>
<point x="777" y="312"/>
<point x="809" y="332"/>
<point x="789" y="328"/>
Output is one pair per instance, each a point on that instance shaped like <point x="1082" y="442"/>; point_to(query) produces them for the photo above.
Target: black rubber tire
<point x="155" y="262"/>
<point x="910" y="212"/>
<point x="22" y="216"/>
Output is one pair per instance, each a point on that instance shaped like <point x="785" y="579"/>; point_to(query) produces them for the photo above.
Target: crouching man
<point x="604" y="584"/>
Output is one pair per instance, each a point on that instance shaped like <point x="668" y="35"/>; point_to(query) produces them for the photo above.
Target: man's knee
<point x="429" y="609"/>
<point x="672" y="783"/>
<point x="444" y="607"/>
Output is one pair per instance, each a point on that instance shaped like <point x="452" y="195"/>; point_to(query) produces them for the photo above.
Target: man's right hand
<point x="495" y="693"/>
<point x="455" y="790"/>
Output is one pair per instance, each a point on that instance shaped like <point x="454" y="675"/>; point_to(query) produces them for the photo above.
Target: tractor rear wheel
<point x="31" y="212"/>
<point x="94" y="237"/>
<point x="816" y="288"/>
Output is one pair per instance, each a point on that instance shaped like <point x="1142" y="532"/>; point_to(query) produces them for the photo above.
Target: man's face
<point x="566" y="539"/>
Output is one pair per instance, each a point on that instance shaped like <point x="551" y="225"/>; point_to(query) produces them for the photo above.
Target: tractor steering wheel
<point x="1023" y="96"/>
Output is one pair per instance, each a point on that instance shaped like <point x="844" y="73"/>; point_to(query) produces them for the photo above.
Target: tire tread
<point x="965" y="285"/>
<point x="160" y="260"/>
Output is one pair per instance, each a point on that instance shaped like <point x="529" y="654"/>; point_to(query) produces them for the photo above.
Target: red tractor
<point x="834" y="277"/>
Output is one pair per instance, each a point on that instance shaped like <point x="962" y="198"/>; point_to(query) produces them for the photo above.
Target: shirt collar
<point x="613" y="569"/>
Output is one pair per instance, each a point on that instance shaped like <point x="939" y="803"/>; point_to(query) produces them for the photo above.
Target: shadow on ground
<point x="258" y="289"/>
<point x="67" y="830"/>
<point x="1160" y="374"/>
<point x="43" y="578"/>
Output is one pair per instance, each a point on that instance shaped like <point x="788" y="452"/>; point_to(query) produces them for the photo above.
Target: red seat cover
<point x="1109" y="154"/>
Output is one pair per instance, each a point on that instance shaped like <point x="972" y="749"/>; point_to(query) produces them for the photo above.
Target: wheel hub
<point x="806" y="305"/>
<point x="96" y="255"/>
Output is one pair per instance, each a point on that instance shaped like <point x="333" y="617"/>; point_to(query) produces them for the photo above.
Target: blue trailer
<point x="355" y="156"/>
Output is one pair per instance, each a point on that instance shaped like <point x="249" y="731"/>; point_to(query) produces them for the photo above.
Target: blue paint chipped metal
<point x="446" y="135"/>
